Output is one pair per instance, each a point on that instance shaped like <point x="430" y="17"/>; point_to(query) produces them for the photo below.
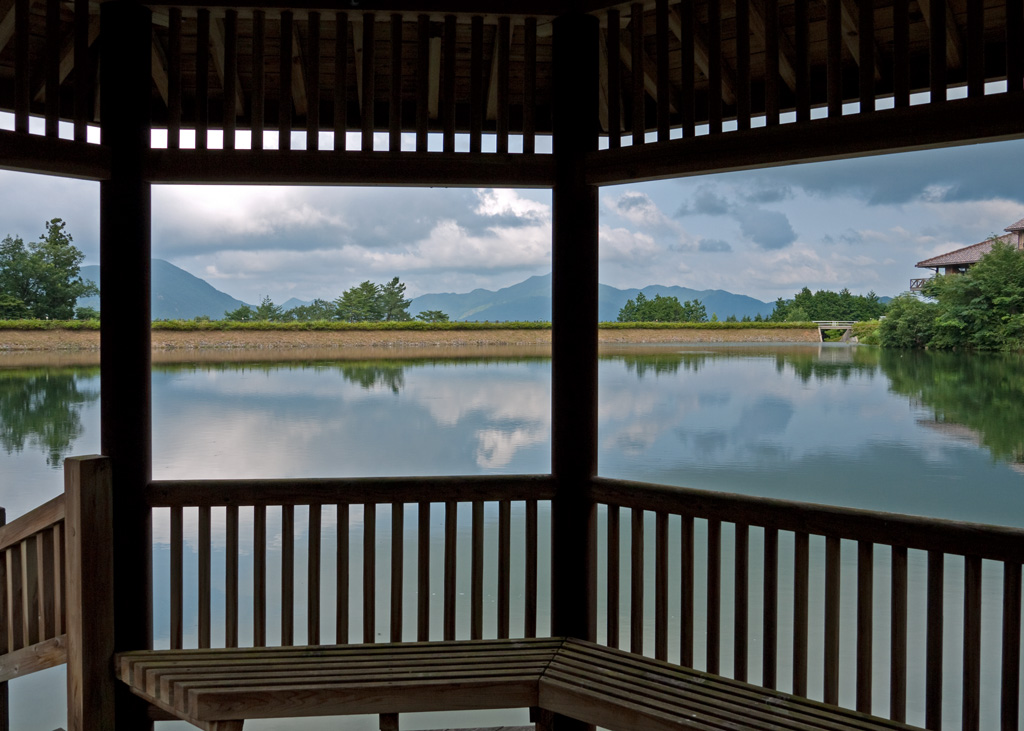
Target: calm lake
<point x="924" y="433"/>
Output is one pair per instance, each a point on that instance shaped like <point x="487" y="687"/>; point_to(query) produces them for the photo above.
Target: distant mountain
<point x="176" y="294"/>
<point x="531" y="300"/>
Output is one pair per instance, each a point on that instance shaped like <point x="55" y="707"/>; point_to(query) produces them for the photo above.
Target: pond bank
<point x="70" y="340"/>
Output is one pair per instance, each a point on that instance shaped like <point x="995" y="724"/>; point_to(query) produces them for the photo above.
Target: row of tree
<point x="981" y="309"/>
<point x="41" y="280"/>
<point x="365" y="302"/>
<point x="662" y="309"/>
<point x="827" y="305"/>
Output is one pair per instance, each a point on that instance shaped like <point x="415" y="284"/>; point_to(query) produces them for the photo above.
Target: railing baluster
<point x="770" y="651"/>
<point x="901" y="52"/>
<point x="865" y="629"/>
<point x="259" y="84"/>
<point x="1014" y="52"/>
<point x="313" y="575"/>
<point x="661" y="35"/>
<point x="369" y="572"/>
<point x="898" y="636"/>
<point x="503" y="44"/>
<point x="476" y="618"/>
<point x="688" y="27"/>
<point x="741" y="601"/>
<point x="933" y="641"/>
<point x="743" y="64"/>
<point x="422" y="82"/>
<point x="937" y="48"/>
<point x="59" y="616"/>
<point x="715" y="66"/>
<point x="714" y="598"/>
<point x="30" y="591"/>
<point x="52" y="67"/>
<point x="530" y="590"/>
<point x="287" y="574"/>
<point x="202" y="78"/>
<point x="771" y="62"/>
<point x="801" y="596"/>
<point x="832" y="602"/>
<point x="636" y="33"/>
<point x="661" y="586"/>
<point x="1010" y="695"/>
<point x="477" y="104"/>
<point x="395" y="102"/>
<point x="975" y="49"/>
<point x="451" y="516"/>
<point x="83" y="77"/>
<point x="15" y="624"/>
<point x="340" y="80"/>
<point x="313" y="82"/>
<point x="636" y="582"/>
<point x="231" y="577"/>
<point x="423" y="574"/>
<point x="530" y="87"/>
<point x="259" y="576"/>
<point x="612" y="44"/>
<point x="22" y="73"/>
<point x="448" y="85"/>
<point x="230" y="66"/>
<point x="284" y="102"/>
<point x="504" y="566"/>
<point x="866" y="46"/>
<point x="5" y="624"/>
<point x="686" y="570"/>
<point x="342" y="578"/>
<point x="972" y="644"/>
<point x="614" y="547"/>
<point x="205" y="575"/>
<point x="397" y="568"/>
<point x="834" y="62"/>
<point x="802" y="69"/>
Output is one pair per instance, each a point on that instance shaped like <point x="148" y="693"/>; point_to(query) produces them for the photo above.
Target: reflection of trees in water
<point x="657" y="364"/>
<point x="830" y="363"/>
<point x="373" y="375"/>
<point x="980" y="391"/>
<point x="41" y="408"/>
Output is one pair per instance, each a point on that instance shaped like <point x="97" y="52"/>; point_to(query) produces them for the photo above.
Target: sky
<point x="860" y="224"/>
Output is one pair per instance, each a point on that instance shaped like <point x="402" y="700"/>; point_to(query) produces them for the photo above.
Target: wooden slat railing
<point x="848" y="597"/>
<point x="32" y="614"/>
<point x="269" y="531"/>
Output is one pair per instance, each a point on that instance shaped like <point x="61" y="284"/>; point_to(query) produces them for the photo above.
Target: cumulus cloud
<point x="767" y="229"/>
<point x="713" y="246"/>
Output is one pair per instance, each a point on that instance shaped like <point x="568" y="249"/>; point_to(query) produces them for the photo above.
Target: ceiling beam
<point x="159" y="63"/>
<point x="650" y="83"/>
<point x="67" y="56"/>
<point x="434" y="77"/>
<point x="851" y="34"/>
<point x="700" y="53"/>
<point x="7" y="22"/>
<point x="955" y="52"/>
<point x="217" y="41"/>
<point x="298" y="75"/>
<point x="786" y="51"/>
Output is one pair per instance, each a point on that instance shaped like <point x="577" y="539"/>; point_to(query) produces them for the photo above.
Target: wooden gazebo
<point x="568" y="95"/>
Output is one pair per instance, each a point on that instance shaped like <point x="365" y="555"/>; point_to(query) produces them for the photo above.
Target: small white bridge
<point x="845" y="325"/>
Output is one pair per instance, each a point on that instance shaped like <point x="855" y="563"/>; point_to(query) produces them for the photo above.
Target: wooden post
<point x="89" y="559"/>
<point x="126" y="429"/>
<point x="5" y="708"/>
<point x="574" y="332"/>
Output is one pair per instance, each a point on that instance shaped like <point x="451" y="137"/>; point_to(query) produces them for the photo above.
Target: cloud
<point x="625" y="246"/>
<point x="709" y="203"/>
<point x="713" y="245"/>
<point x="767" y="229"/>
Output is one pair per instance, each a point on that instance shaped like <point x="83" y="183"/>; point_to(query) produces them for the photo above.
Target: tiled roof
<point x="1019" y="226"/>
<point x="966" y="255"/>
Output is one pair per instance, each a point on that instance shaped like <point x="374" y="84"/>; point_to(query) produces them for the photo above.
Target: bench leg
<point x="541" y="719"/>
<point x="389" y="722"/>
<point x="224" y="725"/>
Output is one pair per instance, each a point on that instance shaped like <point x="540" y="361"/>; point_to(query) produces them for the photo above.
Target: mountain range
<point x="178" y="295"/>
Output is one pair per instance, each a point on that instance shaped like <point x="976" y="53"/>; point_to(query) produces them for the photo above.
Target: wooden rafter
<point x="851" y="34"/>
<point x="67" y="56"/>
<point x="160" y="77"/>
<point x="650" y="83"/>
<point x="786" y="51"/>
<point x="217" y="41"/>
<point x="298" y="75"/>
<point x="356" y="21"/>
<point x="602" y="110"/>
<point x="700" y="53"/>
<point x="434" y="83"/>
<point x="7" y="22"/>
<point x="955" y="52"/>
<point x="492" y="82"/>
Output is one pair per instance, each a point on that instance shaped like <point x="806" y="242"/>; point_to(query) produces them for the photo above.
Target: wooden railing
<point x="32" y="596"/>
<point x="823" y="602"/>
<point x="917" y="284"/>
<point x="349" y="595"/>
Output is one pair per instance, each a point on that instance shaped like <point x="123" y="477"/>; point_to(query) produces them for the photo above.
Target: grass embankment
<point x="187" y="334"/>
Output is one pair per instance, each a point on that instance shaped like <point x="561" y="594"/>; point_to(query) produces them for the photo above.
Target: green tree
<point x="360" y="304"/>
<point x="432" y="316"/>
<point x="12" y="308"/>
<point x="44" y="275"/>
<point x="827" y="305"/>
<point x="662" y="309"/>
<point x="318" y="309"/>
<point x="909" y="323"/>
<point x="244" y="313"/>
<point x="393" y="302"/>
<point x="267" y="311"/>
<point x="87" y="313"/>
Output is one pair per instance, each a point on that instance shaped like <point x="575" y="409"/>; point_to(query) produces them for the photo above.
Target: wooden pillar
<point x="5" y="707"/>
<point x="125" y="433"/>
<point x="574" y="331"/>
<point x="89" y="561"/>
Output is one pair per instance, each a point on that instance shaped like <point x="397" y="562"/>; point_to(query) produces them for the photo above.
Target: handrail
<point x="35" y="521"/>
<point x="997" y="543"/>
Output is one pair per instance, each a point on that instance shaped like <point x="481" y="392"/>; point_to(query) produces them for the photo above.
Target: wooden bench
<point x="218" y="689"/>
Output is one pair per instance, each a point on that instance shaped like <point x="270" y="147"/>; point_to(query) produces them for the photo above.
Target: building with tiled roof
<point x="960" y="260"/>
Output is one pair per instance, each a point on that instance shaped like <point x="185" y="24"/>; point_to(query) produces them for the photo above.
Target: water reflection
<point x="41" y="408"/>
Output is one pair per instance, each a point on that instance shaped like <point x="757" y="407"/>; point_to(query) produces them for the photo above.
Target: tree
<point x="662" y="309"/>
<point x="45" y="275"/>
<point x="267" y="311"/>
<point x="827" y="305"/>
<point x="318" y="309"/>
<point x="360" y="304"/>
<point x="393" y="302"/>
<point x="87" y="313"/>
<point x="432" y="316"/>
<point x="12" y="308"/>
<point x="243" y="313"/>
<point x="909" y="323"/>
